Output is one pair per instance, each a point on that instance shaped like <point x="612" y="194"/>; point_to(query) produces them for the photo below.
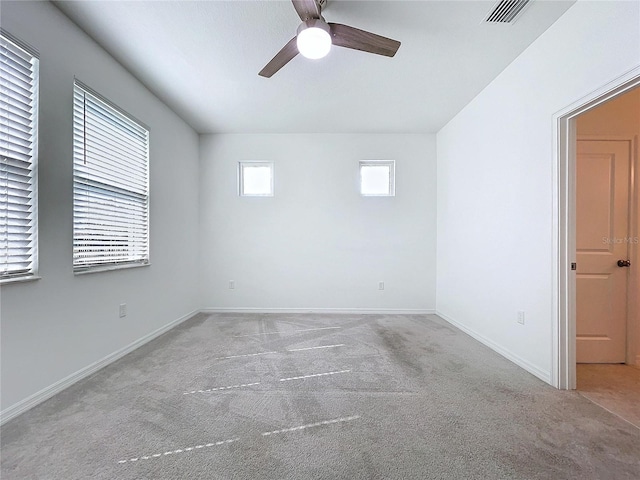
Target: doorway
<point x="606" y="151"/>
<point x="569" y="251"/>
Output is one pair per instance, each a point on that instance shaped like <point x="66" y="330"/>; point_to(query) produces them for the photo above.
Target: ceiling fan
<point x="315" y="37"/>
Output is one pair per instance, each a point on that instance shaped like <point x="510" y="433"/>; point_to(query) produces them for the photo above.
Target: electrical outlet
<point x="380" y="285"/>
<point x="123" y="310"/>
<point x="232" y="284"/>
<point x="521" y="318"/>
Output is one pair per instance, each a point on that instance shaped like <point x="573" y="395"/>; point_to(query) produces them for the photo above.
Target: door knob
<point x="624" y="263"/>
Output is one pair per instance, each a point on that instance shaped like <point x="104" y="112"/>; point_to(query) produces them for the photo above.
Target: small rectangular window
<point x="377" y="178"/>
<point x="255" y="179"/>
<point x="18" y="160"/>
<point x="110" y="185"/>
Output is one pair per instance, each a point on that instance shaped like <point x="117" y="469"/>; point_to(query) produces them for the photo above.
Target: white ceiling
<point x="202" y="58"/>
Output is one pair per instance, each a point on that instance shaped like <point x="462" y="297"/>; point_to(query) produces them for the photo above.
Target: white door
<point x="602" y="239"/>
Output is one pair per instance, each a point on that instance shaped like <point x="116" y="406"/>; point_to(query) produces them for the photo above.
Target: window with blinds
<point x="18" y="159"/>
<point x="110" y="185"/>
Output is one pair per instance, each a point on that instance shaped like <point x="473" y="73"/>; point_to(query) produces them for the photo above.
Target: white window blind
<point x="18" y="159"/>
<point x="110" y="185"/>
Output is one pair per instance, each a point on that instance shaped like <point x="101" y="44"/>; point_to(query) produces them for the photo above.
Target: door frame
<point x="563" y="361"/>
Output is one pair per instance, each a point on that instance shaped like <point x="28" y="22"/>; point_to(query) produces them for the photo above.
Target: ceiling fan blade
<point x="350" y="37"/>
<point x="283" y="57"/>
<point x="306" y="9"/>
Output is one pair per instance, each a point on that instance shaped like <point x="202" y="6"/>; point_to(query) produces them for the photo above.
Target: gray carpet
<point x="400" y="397"/>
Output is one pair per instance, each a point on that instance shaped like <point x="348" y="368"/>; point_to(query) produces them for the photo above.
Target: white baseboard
<point x="509" y="355"/>
<point x="48" y="392"/>
<point x="379" y="311"/>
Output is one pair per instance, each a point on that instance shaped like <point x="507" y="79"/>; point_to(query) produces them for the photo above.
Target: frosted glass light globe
<point x="313" y="41"/>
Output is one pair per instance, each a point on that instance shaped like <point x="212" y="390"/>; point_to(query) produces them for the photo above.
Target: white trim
<point x="48" y="392"/>
<point x="379" y="311"/>
<point x="543" y="375"/>
<point x="563" y="371"/>
<point x="110" y="268"/>
<point x="10" y="280"/>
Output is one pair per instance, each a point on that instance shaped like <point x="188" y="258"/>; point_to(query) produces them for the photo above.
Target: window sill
<point x="110" y="268"/>
<point x="30" y="278"/>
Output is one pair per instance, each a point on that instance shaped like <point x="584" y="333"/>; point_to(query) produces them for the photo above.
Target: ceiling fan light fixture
<point x="313" y="39"/>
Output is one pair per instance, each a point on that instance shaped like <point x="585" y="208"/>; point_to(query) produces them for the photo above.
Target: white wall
<point x="62" y="323"/>
<point x="318" y="244"/>
<point x="495" y="180"/>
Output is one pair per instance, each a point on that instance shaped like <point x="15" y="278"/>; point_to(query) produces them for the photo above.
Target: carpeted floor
<point x="246" y="396"/>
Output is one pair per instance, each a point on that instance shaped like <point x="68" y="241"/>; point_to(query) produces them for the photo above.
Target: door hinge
<point x="574" y="265"/>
